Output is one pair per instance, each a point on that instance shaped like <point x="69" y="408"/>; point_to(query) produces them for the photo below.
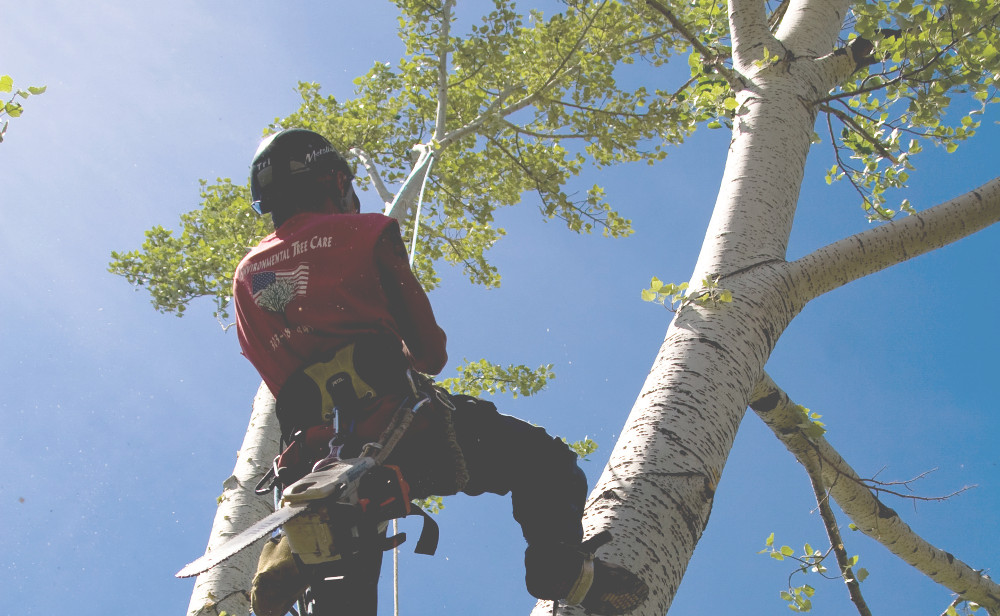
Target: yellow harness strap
<point x="336" y="375"/>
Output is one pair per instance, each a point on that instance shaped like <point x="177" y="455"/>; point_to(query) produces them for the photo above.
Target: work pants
<point x="503" y="454"/>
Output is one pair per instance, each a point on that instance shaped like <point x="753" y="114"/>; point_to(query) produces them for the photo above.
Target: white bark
<point x="870" y="515"/>
<point x="810" y="27"/>
<point x="374" y="175"/>
<point x="656" y="493"/>
<point x="444" y="48"/>
<point x="876" y="249"/>
<point x="225" y="588"/>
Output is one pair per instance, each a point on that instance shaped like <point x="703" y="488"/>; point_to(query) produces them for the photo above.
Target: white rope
<point x="424" y="161"/>
<point x="413" y="254"/>
<point x="420" y="202"/>
<point x="395" y="572"/>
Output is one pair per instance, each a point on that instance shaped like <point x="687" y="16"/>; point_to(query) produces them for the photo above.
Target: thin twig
<point x="495" y="110"/>
<point x="836" y="541"/>
<point x="526" y="131"/>
<point x="687" y="34"/>
<point x="875" y="143"/>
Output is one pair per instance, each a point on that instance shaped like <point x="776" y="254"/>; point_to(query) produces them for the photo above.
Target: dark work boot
<point x="571" y="574"/>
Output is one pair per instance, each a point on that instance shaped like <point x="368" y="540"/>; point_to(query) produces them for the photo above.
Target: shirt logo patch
<point x="274" y="290"/>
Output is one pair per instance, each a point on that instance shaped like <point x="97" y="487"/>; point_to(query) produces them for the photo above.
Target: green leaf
<point x="730" y="103"/>
<point x="787" y="551"/>
<point x="479" y="377"/>
<point x="431" y="504"/>
<point x="770" y="540"/>
<point x="37" y="89"/>
<point x="583" y="448"/>
<point x="6" y="83"/>
<point x="861" y="574"/>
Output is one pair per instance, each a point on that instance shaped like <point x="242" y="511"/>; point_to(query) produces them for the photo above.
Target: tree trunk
<point x="656" y="493"/>
<point x="225" y="587"/>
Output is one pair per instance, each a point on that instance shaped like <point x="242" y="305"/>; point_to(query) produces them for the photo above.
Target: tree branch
<point x="444" y="46"/>
<point x="836" y="541"/>
<point x="588" y="109"/>
<point x="875" y="143"/>
<point x="522" y="130"/>
<point x="712" y="58"/>
<point x="878" y="248"/>
<point x="879" y="487"/>
<point x="373" y="174"/>
<point x="838" y="66"/>
<point x="902" y="74"/>
<point x="873" y="518"/>
<point x="541" y="190"/>
<point x="750" y="34"/>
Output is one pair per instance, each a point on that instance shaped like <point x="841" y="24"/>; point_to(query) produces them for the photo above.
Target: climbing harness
<point x="332" y="485"/>
<point x="374" y="492"/>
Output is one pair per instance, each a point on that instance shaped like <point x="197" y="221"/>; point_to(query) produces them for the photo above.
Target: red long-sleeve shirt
<point x="324" y="280"/>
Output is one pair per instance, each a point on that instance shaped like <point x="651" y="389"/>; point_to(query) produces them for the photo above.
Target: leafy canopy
<point x="515" y="105"/>
<point x="926" y="55"/>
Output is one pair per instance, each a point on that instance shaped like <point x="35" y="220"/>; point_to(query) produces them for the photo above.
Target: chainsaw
<point x="321" y="512"/>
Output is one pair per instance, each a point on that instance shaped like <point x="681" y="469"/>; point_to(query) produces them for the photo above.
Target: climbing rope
<point x="429" y="156"/>
<point x="420" y="202"/>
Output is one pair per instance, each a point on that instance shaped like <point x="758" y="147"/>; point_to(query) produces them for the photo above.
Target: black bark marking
<point x="767" y="403"/>
<point x="712" y="343"/>
<point x="610" y="495"/>
<point x="886" y="512"/>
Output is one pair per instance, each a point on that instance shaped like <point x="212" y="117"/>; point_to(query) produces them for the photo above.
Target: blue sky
<point x="119" y="424"/>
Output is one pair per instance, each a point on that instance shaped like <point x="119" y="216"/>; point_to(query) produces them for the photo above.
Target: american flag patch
<point x="273" y="290"/>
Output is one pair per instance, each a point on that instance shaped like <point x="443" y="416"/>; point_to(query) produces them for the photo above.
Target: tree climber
<point x="330" y="314"/>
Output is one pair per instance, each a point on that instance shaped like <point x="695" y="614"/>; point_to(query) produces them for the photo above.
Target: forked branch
<point x="871" y="516"/>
